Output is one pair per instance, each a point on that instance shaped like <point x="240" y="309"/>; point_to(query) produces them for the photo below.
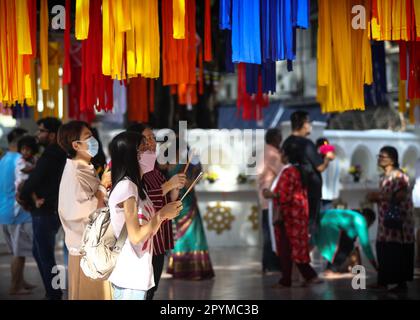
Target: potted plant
<point x="242" y="178"/>
<point x="211" y="177"/>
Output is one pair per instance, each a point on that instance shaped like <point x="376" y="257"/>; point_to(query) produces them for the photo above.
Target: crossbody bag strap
<point x="121" y="239"/>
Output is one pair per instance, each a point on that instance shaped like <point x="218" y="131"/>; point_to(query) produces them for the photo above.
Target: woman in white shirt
<point x="81" y="193"/>
<point x="132" y="276"/>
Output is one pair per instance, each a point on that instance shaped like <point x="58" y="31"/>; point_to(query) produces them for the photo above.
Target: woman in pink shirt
<point x="272" y="167"/>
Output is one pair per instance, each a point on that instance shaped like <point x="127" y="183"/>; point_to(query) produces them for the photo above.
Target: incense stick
<point x="187" y="165"/>
<point x="193" y="153"/>
<point x="192" y="185"/>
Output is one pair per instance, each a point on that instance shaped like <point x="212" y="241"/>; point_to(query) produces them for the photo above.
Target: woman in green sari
<point x="190" y="257"/>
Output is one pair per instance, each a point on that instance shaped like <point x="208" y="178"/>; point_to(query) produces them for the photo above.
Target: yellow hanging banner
<point x="417" y="13"/>
<point x="107" y="37"/>
<point x="344" y="59"/>
<point x="402" y="97"/>
<point x="22" y="27"/>
<point x="82" y="19"/>
<point x="178" y="7"/>
<point x="43" y="43"/>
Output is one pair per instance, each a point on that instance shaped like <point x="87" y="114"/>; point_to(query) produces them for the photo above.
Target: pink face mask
<point x="147" y="161"/>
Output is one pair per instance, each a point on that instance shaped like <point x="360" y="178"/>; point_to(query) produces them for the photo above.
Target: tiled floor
<point x="238" y="276"/>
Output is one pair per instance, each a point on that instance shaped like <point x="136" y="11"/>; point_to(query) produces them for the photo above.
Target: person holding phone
<point x="130" y="206"/>
<point x="161" y="191"/>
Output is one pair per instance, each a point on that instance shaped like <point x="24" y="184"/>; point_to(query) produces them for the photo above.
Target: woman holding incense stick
<point x="161" y="191"/>
<point x="190" y="258"/>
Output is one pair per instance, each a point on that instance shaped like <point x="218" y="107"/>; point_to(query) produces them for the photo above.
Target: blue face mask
<point x="93" y="146"/>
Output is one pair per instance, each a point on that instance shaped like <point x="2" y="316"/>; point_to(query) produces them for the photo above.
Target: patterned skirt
<point x="190" y="258"/>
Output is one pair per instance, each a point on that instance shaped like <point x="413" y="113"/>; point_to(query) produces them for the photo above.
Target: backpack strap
<point x="121" y="239"/>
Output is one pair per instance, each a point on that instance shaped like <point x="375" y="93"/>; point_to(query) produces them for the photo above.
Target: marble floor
<point x="238" y="277"/>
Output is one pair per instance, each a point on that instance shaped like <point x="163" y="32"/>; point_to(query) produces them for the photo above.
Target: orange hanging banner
<point x="33" y="25"/>
<point x="201" y="68"/>
<point x="138" y="109"/>
<point x="179" y="57"/>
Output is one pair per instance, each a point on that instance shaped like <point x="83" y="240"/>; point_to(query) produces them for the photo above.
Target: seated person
<point x="338" y="231"/>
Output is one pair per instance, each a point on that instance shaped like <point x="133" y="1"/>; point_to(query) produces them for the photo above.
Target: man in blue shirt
<point x="17" y="223"/>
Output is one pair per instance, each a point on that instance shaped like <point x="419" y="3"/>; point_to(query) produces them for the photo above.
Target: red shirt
<point x="163" y="239"/>
<point x="293" y="204"/>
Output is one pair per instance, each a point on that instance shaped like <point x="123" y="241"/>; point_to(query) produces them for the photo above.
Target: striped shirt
<point x="163" y="239"/>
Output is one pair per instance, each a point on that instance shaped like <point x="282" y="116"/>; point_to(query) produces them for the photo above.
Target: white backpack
<point x="100" y="248"/>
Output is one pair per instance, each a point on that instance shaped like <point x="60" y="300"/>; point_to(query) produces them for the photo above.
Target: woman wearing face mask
<point x="129" y="204"/>
<point x="81" y="192"/>
<point x="160" y="191"/>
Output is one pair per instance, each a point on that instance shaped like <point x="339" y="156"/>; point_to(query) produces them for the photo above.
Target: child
<point x="330" y="177"/>
<point x="28" y="148"/>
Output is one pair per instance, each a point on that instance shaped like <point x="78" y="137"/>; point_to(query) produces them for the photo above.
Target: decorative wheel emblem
<point x="219" y="218"/>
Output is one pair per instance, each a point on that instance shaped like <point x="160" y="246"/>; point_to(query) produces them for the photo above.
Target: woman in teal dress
<point x="190" y="257"/>
<point x="337" y="233"/>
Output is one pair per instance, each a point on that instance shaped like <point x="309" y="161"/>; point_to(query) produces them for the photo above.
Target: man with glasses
<point x="313" y="163"/>
<point x="44" y="181"/>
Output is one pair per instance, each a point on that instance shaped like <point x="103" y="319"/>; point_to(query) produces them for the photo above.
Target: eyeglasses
<point x="381" y="156"/>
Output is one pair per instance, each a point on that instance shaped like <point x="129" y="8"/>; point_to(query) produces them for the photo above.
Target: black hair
<point x="50" y="123"/>
<point x="98" y="161"/>
<point x="369" y="215"/>
<point x="30" y="142"/>
<point x="321" y="141"/>
<point x="273" y="136"/>
<point x="123" y="149"/>
<point x="295" y="156"/>
<point x="298" y="119"/>
<point x="14" y="135"/>
<point x="68" y="133"/>
<point x="392" y="154"/>
<point x="138" y="127"/>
